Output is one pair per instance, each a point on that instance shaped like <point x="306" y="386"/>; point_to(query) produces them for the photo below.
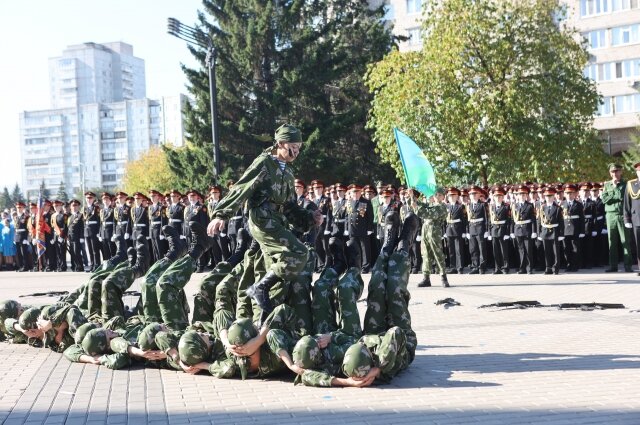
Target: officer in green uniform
<point x="433" y="215"/>
<point x="613" y="196"/>
<point x="268" y="185"/>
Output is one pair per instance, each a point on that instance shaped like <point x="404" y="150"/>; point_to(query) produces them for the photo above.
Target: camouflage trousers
<point x="148" y="292"/>
<point x="388" y="298"/>
<point x="204" y="299"/>
<point x="335" y="302"/>
<point x="91" y="298"/>
<point x="431" y="249"/>
<point x="112" y="290"/>
<point x="282" y="334"/>
<point x="299" y="297"/>
<point x="169" y="287"/>
<point x="392" y="349"/>
<point x="284" y="254"/>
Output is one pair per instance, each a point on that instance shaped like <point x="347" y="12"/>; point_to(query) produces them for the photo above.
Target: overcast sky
<point x="32" y="31"/>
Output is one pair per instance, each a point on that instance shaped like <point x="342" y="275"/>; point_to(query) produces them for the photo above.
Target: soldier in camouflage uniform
<point x="24" y="329"/>
<point x="433" y="216"/>
<point x="9" y="309"/>
<point x="268" y="186"/>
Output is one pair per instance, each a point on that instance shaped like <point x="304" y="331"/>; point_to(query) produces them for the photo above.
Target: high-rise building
<point x="405" y="16"/>
<point x="100" y="119"/>
<point x="612" y="31"/>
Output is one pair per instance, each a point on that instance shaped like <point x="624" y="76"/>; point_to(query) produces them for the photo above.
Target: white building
<point x="612" y="30"/>
<point x="100" y="119"/>
<point x="406" y="18"/>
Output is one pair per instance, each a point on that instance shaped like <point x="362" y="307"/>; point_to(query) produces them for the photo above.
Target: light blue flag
<point x="417" y="168"/>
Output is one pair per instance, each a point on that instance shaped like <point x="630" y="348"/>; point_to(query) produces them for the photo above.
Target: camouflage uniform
<point x="58" y="314"/>
<point x="333" y="296"/>
<point x="170" y="286"/>
<point x="204" y="299"/>
<point x="432" y="217"/>
<point x="10" y="309"/>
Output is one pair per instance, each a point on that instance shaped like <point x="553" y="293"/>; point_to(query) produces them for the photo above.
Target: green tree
<point x="5" y="199"/>
<point x="62" y="193"/>
<point x="294" y="61"/>
<point x="497" y="93"/>
<point x="150" y="171"/>
<point x="16" y="195"/>
<point x="46" y="194"/>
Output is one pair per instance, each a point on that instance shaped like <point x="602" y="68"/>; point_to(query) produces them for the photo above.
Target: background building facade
<point x="100" y="119"/>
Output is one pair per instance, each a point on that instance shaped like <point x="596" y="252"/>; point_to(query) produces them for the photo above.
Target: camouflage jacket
<point x="332" y="356"/>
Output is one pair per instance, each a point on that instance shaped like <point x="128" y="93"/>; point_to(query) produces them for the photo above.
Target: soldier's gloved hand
<point x="25" y="242"/>
<point x="486" y="235"/>
<point x="560" y="238"/>
<point x="127" y="236"/>
<point x="628" y="225"/>
<point x="369" y="233"/>
<point x="60" y="240"/>
<point x="100" y="238"/>
<point x="326" y="232"/>
<point x="581" y="235"/>
<point x="506" y="237"/>
<point x="418" y="238"/>
<point x="34" y="242"/>
<point x="114" y="238"/>
<point x="161" y="237"/>
<point x="345" y="233"/>
<point x="594" y="233"/>
<point x="222" y="235"/>
<point x="183" y="237"/>
<point x="81" y="240"/>
<point x="534" y="235"/>
<point x="605" y="231"/>
<point x="489" y="238"/>
<point x="512" y="236"/>
<point x="539" y="238"/>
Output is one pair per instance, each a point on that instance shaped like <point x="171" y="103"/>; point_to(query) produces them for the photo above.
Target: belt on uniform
<point x="550" y="226"/>
<point x="476" y="220"/>
<point x="324" y="216"/>
<point x="92" y="222"/>
<point x="140" y="225"/>
<point x="523" y="222"/>
<point x="499" y="222"/>
<point x="175" y="220"/>
<point x="108" y="223"/>
<point x="236" y="217"/>
<point x="457" y="220"/>
<point x="572" y="217"/>
<point x="156" y="223"/>
<point x="600" y="217"/>
<point x="340" y="220"/>
<point x="588" y="216"/>
<point x="21" y="230"/>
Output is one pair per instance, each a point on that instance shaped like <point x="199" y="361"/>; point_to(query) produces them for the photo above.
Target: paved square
<point x="472" y="366"/>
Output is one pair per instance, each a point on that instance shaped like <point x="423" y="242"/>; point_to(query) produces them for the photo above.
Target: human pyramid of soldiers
<point x="259" y="313"/>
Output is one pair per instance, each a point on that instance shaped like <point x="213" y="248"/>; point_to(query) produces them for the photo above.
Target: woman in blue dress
<point x="7" y="246"/>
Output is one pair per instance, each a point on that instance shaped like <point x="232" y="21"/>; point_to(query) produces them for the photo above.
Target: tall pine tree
<point x="16" y="195"/>
<point x="46" y="194"/>
<point x="296" y="61"/>
<point x="62" y="193"/>
<point x="5" y="199"/>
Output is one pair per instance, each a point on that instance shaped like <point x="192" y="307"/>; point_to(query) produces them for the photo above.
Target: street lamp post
<point x="196" y="37"/>
<point x="82" y="188"/>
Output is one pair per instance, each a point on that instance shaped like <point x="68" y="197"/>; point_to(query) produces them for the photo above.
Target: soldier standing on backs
<point x="107" y="226"/>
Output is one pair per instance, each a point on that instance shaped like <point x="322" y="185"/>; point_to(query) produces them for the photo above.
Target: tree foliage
<point x="296" y="61"/>
<point x="497" y="93"/>
<point x="150" y="171"/>
<point x="5" y="199"/>
<point x="61" y="195"/>
<point x="16" y="195"/>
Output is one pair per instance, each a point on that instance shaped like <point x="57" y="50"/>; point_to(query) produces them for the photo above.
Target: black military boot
<point x="121" y="252"/>
<point x="426" y="282"/>
<point x="259" y="291"/>
<point x="242" y="245"/>
<point x="391" y="225"/>
<point x="445" y="281"/>
<point x="177" y="246"/>
<point x="336" y="248"/>
<point x="409" y="232"/>
<point x="131" y="257"/>
<point x="142" y="257"/>
<point x="200" y="242"/>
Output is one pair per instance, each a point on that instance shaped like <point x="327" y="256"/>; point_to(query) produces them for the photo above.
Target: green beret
<point x="147" y="337"/>
<point x="306" y="353"/>
<point x="288" y="133"/>
<point x="29" y="319"/>
<point x="95" y="342"/>
<point x="613" y="166"/>
<point x="83" y="330"/>
<point x="357" y="361"/>
<point x="9" y="309"/>
<point x="192" y="348"/>
<point x="241" y="331"/>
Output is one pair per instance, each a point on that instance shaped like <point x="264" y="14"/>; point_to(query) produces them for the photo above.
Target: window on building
<point x="625" y="35"/>
<point x="628" y="104"/>
<point x="108" y="177"/>
<point x="415" y="36"/>
<point x="596" y="39"/>
<point x="414" y="6"/>
<point x="618" y="5"/>
<point x="594" y="7"/>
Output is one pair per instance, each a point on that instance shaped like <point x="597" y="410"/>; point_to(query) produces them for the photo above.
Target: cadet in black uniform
<point x="197" y="212"/>
<point x="477" y="231"/>
<point x="339" y="233"/>
<point x="49" y="241"/>
<point x="551" y="231"/>
<point x="360" y="228"/>
<point x="157" y="219"/>
<point x="140" y="218"/>
<point x="322" y="240"/>
<point x="107" y="226"/>
<point x="573" y="214"/>
<point x="91" y="216"/>
<point x="21" y="238"/>
<point x="455" y="228"/>
<point x="601" y="241"/>
<point x="122" y="215"/>
<point x="60" y="231"/>
<point x="221" y="244"/>
<point x="75" y="224"/>
<point x="500" y="230"/>
<point x="632" y="209"/>
<point x="524" y="229"/>
<point x="175" y="211"/>
<point x="586" y="244"/>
